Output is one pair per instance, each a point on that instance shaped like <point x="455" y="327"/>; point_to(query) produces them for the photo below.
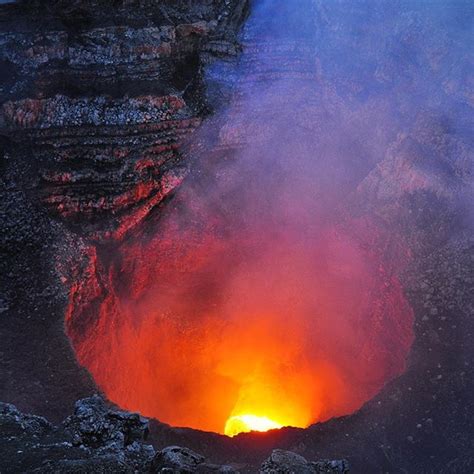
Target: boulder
<point x="175" y="459"/>
<point x="109" y="434"/>
<point x="287" y="462"/>
<point x="95" y="425"/>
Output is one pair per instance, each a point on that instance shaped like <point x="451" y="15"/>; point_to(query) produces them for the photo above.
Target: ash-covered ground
<point x="101" y="102"/>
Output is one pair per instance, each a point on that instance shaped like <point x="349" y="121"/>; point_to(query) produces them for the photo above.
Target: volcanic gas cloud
<point x="253" y="299"/>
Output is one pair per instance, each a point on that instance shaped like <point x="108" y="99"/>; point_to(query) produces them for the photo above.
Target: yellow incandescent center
<point x="247" y="423"/>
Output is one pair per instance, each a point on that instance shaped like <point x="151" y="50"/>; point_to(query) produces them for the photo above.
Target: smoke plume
<point x="265" y="287"/>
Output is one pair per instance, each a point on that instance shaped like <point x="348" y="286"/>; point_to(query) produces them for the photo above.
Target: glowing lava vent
<point x="232" y="335"/>
<point x="247" y="423"/>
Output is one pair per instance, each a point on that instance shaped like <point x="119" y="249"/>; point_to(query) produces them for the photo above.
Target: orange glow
<point x="227" y="335"/>
<point x="247" y="423"/>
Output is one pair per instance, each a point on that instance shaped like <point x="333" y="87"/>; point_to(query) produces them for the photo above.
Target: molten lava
<point x="247" y="423"/>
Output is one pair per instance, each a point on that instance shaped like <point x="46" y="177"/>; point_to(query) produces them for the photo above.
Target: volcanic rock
<point x="176" y="458"/>
<point x="94" y="439"/>
<point x="184" y="460"/>
<point x="286" y="462"/>
<point x="94" y="425"/>
<point x="14" y="423"/>
<point x="104" y="102"/>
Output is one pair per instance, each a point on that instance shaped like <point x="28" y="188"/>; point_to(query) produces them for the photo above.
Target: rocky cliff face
<point x="97" y="99"/>
<point x="103" y="104"/>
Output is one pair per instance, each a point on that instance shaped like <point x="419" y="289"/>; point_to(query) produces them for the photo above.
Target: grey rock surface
<point x="287" y="462"/>
<point x="14" y="423"/>
<point x="184" y="460"/>
<point x="99" y="439"/>
<point x="94" y="425"/>
<point x="95" y="439"/>
<point x="177" y="459"/>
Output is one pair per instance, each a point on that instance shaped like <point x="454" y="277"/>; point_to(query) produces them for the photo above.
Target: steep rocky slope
<point x="96" y="100"/>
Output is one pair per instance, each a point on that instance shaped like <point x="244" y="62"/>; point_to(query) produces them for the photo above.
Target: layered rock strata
<point x="103" y="105"/>
<point x="96" y="100"/>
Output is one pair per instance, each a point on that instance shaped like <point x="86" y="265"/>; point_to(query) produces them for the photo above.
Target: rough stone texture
<point x="99" y="439"/>
<point x="95" y="439"/>
<point x="14" y="423"/>
<point x="287" y="462"/>
<point x="93" y="424"/>
<point x="184" y="460"/>
<point x="96" y="100"/>
<point x="176" y="458"/>
<point x="104" y="105"/>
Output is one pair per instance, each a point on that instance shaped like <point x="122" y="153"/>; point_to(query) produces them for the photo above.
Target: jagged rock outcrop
<point x="94" y="424"/>
<point x="96" y="438"/>
<point x="14" y="423"/>
<point x="430" y="169"/>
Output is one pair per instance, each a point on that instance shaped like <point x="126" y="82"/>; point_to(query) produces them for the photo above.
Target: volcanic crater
<point x="251" y="222"/>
